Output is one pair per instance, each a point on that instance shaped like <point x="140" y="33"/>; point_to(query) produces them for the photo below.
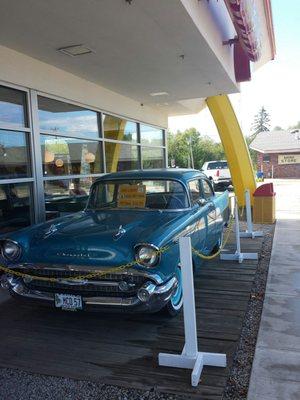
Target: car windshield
<point x="138" y="194"/>
<point x="217" y="165"/>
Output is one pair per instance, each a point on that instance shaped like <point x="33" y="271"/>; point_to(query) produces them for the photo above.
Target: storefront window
<point x="15" y="206"/>
<point x="68" y="156"/>
<point x="66" y="196"/>
<point x="152" y="157"/>
<point x="119" y="129"/>
<point x="151" y="136"/>
<point x="121" y="157"/>
<point x="12" y="107"/>
<point x="65" y="118"/>
<point x="14" y="155"/>
<point x="73" y="142"/>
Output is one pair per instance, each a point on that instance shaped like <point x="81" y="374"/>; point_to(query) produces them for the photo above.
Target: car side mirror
<point x="202" y="202"/>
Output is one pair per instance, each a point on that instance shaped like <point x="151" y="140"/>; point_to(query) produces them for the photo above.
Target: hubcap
<point x="176" y="298"/>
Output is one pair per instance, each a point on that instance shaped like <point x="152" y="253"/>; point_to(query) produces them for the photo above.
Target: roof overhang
<point x="275" y="151"/>
<point x="138" y="48"/>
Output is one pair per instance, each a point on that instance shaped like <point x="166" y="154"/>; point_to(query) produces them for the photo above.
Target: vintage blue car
<point x="121" y="252"/>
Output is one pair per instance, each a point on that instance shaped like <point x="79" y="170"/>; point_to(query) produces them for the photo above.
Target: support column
<point x="234" y="144"/>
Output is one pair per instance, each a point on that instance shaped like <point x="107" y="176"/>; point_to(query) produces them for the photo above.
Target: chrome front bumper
<point x="158" y="296"/>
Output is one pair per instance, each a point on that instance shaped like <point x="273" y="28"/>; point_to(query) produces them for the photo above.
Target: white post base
<point x="190" y="357"/>
<point x="249" y="231"/>
<point x="252" y="234"/>
<point x="240" y="257"/>
<point x="196" y="363"/>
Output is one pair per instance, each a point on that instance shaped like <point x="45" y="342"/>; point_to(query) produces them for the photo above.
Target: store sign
<point x="289" y="159"/>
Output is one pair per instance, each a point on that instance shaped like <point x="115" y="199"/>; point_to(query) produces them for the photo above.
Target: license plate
<point x="68" y="301"/>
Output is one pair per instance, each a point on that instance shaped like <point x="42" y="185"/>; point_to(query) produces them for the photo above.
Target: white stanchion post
<point x="238" y="255"/>
<point x="249" y="232"/>
<point x="190" y="357"/>
<point x="232" y="200"/>
<point x="237" y="230"/>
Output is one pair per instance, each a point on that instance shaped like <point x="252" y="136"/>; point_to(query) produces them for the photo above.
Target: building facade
<point x="51" y="151"/>
<point x="87" y="89"/>
<point x="278" y="153"/>
<point x="279" y="165"/>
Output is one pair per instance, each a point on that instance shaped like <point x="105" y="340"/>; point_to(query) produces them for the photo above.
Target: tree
<point x="297" y="126"/>
<point x="277" y="128"/>
<point x="261" y="122"/>
<point x="203" y="148"/>
<point x="253" y="153"/>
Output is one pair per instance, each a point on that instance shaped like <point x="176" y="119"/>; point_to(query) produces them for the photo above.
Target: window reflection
<point x="15" y="206"/>
<point x="12" y="107"/>
<point x="68" y="156"/>
<point x="152" y="158"/>
<point x="119" y="129"/>
<point x="194" y="190"/>
<point x="57" y="116"/>
<point x="66" y="196"/>
<point x="151" y="136"/>
<point x="14" y="155"/>
<point x="207" y="190"/>
<point x="121" y="157"/>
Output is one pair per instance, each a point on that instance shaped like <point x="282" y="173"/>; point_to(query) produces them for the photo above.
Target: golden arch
<point x="234" y="144"/>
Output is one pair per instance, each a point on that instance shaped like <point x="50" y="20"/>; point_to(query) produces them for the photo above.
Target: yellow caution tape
<point x="226" y="237"/>
<point x="114" y="269"/>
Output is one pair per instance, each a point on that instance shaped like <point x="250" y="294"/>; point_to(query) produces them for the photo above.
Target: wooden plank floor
<point x="122" y="349"/>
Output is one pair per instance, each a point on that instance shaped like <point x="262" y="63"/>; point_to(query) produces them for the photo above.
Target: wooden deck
<point x="123" y="349"/>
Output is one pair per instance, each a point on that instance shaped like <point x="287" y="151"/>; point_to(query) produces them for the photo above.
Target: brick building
<point x="278" y="153"/>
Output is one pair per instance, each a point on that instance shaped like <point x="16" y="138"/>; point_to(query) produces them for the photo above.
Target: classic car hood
<point x="99" y="238"/>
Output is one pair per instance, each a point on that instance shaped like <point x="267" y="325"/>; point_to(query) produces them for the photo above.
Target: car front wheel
<point x="218" y="246"/>
<point x="175" y="303"/>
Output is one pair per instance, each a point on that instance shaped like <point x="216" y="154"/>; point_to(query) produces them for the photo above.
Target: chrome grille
<point x="104" y="285"/>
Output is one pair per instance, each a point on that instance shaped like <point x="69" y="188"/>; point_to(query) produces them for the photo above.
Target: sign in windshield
<point x="138" y="194"/>
<point x="131" y="196"/>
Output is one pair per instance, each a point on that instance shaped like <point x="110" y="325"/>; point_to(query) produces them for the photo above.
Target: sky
<point x="276" y="85"/>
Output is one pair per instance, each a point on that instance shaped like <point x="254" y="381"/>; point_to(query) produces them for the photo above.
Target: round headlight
<point x="147" y="255"/>
<point x="10" y="250"/>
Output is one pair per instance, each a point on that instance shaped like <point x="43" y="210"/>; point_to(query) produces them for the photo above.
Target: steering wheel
<point x="178" y="200"/>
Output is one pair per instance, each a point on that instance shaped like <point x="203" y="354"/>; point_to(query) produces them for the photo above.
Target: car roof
<point x="182" y="174"/>
<point x="215" y="161"/>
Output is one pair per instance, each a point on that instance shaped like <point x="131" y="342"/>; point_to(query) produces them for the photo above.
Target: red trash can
<point x="264" y="204"/>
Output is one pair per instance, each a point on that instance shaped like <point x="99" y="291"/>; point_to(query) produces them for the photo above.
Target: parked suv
<point x="218" y="172"/>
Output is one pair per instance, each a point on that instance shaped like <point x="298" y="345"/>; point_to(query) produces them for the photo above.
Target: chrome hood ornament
<point x="121" y="231"/>
<point x="50" y="231"/>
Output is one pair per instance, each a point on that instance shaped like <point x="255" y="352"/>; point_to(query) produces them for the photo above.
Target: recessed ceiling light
<point x="75" y="50"/>
<point x="159" y="94"/>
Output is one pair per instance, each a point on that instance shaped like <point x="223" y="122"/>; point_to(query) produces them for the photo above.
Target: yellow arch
<point x="114" y="129"/>
<point x="234" y="144"/>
